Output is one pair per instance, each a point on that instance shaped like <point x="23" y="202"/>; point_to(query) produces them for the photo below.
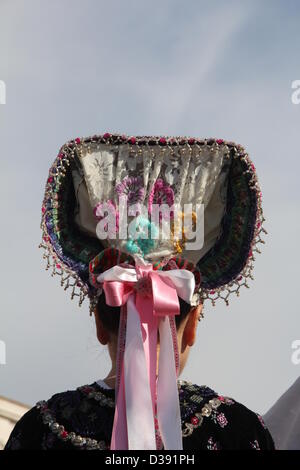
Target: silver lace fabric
<point x="197" y="176"/>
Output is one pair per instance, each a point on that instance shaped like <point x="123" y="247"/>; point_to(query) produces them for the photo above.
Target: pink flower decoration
<point x="133" y="188"/>
<point x="194" y="420"/>
<point x="161" y="193"/>
<point x="221" y="418"/>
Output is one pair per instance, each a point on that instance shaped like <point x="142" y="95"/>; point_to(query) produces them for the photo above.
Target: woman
<point x="148" y="228"/>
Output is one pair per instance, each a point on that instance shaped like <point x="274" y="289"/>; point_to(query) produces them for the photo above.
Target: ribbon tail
<point x="168" y="408"/>
<point x="149" y="323"/>
<point x="119" y="439"/>
<point x="139" y="411"/>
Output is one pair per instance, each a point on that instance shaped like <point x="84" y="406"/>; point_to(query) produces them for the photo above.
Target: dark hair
<point x="110" y="316"/>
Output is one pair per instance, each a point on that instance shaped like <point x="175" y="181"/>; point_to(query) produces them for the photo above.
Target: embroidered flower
<point x="132" y="187"/>
<point x="194" y="420"/>
<point x="181" y="227"/>
<point x="141" y="231"/>
<point x="99" y="169"/>
<point x="161" y="193"/>
<point x="101" y="210"/>
<point x="226" y="400"/>
<point x="221" y="418"/>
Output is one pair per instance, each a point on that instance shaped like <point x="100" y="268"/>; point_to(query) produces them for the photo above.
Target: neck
<point x="110" y="379"/>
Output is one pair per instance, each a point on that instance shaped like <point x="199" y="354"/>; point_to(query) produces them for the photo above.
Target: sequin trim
<point x="101" y="398"/>
<point x="76" y="440"/>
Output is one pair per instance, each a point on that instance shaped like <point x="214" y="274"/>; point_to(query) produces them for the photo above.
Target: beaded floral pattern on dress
<point x="82" y="419"/>
<point x="192" y="419"/>
<point x="190" y="398"/>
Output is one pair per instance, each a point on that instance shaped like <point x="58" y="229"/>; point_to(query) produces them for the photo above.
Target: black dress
<point x="82" y="419"/>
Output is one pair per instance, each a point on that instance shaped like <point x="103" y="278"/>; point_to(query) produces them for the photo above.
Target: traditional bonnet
<point x="208" y="183"/>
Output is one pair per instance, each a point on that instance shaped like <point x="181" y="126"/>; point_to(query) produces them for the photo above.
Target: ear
<point x="102" y="334"/>
<point x="190" y="329"/>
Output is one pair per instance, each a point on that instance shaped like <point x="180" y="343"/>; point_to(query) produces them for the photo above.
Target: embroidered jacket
<point x="82" y="419"/>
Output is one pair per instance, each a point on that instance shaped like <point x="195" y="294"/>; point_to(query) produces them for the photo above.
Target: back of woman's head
<point x="110" y="316"/>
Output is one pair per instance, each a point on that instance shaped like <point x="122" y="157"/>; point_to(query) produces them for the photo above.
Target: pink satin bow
<point x="149" y="301"/>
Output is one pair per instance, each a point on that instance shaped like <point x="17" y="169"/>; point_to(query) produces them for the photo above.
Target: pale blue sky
<point x="208" y="69"/>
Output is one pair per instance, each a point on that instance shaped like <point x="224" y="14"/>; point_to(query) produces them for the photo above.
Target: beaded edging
<point x="91" y="393"/>
<point x="196" y="419"/>
<point x="75" y="439"/>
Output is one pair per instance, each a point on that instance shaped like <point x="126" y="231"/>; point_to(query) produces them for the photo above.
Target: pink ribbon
<point x="149" y="301"/>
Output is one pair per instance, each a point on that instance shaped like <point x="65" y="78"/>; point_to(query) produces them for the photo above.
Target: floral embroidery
<point x="213" y="445"/>
<point x="141" y="231"/>
<point x="161" y="193"/>
<point x="226" y="400"/>
<point x="133" y="188"/>
<point x="191" y="418"/>
<point x="221" y="418"/>
<point x="178" y="231"/>
<point x="194" y="420"/>
<point x="99" y="169"/>
<point x="190" y="397"/>
<point x="87" y="416"/>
